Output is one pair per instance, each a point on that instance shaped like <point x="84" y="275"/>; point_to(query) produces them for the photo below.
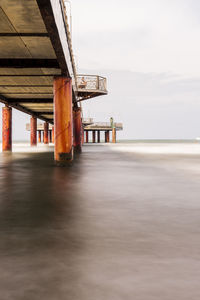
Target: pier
<point x="89" y="129"/>
<point x="96" y="129"/>
<point x="38" y="75"/>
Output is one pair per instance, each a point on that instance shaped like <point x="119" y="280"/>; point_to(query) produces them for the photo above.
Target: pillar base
<point x="77" y="149"/>
<point x="65" y="159"/>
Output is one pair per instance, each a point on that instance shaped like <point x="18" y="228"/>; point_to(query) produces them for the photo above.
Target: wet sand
<point x="121" y="223"/>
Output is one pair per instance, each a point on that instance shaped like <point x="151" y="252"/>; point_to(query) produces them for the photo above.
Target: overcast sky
<point x="149" y="51"/>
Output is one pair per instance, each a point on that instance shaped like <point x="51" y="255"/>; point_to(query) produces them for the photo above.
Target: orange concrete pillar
<point x="46" y="133"/>
<point x="33" y="133"/>
<point x="6" y="128"/>
<point x="108" y="136"/>
<point x="39" y="136"/>
<point x="77" y="142"/>
<point x="83" y="134"/>
<point x="43" y="136"/>
<point x="52" y="134"/>
<point x="63" y="123"/>
<point x="98" y="136"/>
<point x="87" y="137"/>
<point x="114" y="135"/>
<point x="94" y="136"/>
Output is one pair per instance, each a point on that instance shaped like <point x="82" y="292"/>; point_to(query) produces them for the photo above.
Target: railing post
<point x="97" y="85"/>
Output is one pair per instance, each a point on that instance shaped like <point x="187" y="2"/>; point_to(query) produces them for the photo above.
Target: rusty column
<point x="98" y="136"/>
<point x="77" y="129"/>
<point x="33" y="131"/>
<point x="39" y="136"/>
<point x="114" y="135"/>
<point x="83" y="134"/>
<point x="43" y="136"/>
<point x="107" y="136"/>
<point x="52" y="134"/>
<point x="94" y="136"/>
<point x="63" y="121"/>
<point x="7" y="128"/>
<point x="46" y="131"/>
<point x="87" y="137"/>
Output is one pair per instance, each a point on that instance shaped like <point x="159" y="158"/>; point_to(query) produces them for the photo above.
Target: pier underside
<point x="35" y="53"/>
<point x="30" y="56"/>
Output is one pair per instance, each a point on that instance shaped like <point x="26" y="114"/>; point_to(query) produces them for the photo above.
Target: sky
<point x="149" y="52"/>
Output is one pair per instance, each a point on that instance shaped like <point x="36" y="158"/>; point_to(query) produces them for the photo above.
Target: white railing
<point x="91" y="82"/>
<point x="87" y="121"/>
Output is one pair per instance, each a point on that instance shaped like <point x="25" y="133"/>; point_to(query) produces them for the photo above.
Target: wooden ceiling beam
<point x="28" y="63"/>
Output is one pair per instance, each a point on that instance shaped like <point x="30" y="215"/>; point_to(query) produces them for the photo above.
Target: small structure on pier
<point x="95" y="128"/>
<point x="90" y="86"/>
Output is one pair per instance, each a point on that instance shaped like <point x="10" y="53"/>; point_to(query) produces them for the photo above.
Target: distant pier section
<point x="91" y="131"/>
<point x="96" y="128"/>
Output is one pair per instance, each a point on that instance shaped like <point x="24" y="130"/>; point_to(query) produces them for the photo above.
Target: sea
<point x="121" y="223"/>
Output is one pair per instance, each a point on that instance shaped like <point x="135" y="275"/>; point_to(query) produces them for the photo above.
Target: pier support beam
<point x="39" y="136"/>
<point x="33" y="133"/>
<point x="52" y="135"/>
<point x="107" y="136"/>
<point x="98" y="136"/>
<point x="86" y="137"/>
<point x="77" y="129"/>
<point x="46" y="133"/>
<point x="82" y="134"/>
<point x="63" y="119"/>
<point x="94" y="136"/>
<point x="114" y="135"/>
<point x="7" y="128"/>
<point x="43" y="136"/>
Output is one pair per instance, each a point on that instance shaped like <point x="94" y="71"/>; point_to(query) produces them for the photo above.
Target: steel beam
<point x="28" y="63"/>
<point x="24" y="34"/>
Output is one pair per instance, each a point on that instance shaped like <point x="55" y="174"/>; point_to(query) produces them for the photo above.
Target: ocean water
<point x="122" y="223"/>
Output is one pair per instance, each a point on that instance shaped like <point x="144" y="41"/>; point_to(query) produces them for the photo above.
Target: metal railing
<point x="87" y="121"/>
<point x="91" y="82"/>
<point x="106" y="125"/>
